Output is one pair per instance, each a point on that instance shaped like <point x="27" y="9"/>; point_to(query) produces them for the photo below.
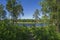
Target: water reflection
<point x="30" y="25"/>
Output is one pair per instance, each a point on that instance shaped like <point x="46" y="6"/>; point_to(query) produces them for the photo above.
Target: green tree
<point x="52" y="8"/>
<point x="36" y="15"/>
<point x="15" y="9"/>
<point x="2" y="12"/>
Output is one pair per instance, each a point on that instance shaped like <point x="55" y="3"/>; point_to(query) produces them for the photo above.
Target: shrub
<point x="14" y="32"/>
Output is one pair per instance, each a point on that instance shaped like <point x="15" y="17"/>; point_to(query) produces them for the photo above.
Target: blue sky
<point x="29" y="7"/>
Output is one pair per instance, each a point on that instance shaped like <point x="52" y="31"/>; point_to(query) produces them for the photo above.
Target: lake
<point x="31" y="24"/>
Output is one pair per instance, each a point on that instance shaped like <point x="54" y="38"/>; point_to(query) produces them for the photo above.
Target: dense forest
<point x="9" y="30"/>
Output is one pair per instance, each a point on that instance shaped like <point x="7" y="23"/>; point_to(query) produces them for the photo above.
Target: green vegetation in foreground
<point x="14" y="32"/>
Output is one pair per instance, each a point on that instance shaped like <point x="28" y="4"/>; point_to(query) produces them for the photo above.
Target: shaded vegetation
<point x="14" y="32"/>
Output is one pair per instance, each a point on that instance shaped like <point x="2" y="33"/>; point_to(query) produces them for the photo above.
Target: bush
<point x="45" y="33"/>
<point x="11" y="32"/>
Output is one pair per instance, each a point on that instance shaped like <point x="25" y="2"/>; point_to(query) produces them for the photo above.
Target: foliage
<point x="52" y="8"/>
<point x="13" y="32"/>
<point x="2" y="12"/>
<point x="14" y="8"/>
<point x="36" y="14"/>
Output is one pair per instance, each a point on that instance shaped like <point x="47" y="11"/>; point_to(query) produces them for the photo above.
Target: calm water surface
<point x="30" y="25"/>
